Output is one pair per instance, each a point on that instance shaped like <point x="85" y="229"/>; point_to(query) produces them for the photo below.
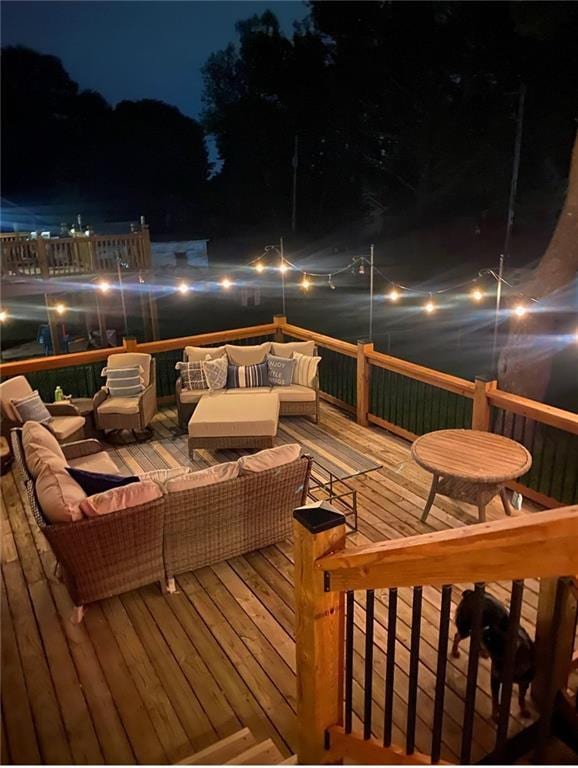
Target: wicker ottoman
<point x="222" y="421"/>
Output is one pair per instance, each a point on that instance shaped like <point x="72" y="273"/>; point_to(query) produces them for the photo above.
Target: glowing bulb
<point x="3" y="316"/>
<point x="393" y="295"/>
<point x="477" y="295"/>
<point x="226" y="283"/>
<point x="260" y="267"/>
<point x="60" y="308"/>
<point x="305" y="283"/>
<point x="520" y="310"/>
<point x="429" y="307"/>
<point x="183" y="288"/>
<point x="283" y="267"/>
<point x="331" y="283"/>
<point x="104" y="286"/>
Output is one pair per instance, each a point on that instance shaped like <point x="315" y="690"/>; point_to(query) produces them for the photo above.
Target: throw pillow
<point x="216" y="372"/>
<point x="197" y="354"/>
<point x="305" y="369"/>
<point x="280" y="370"/>
<point x="59" y="495"/>
<point x="192" y="375"/>
<point x="270" y="458"/>
<point x="247" y="355"/>
<point x="287" y="348"/>
<point x="40" y="448"/>
<point x="31" y="408"/>
<point x="118" y="499"/>
<point x="98" y="482"/>
<point x="163" y="476"/>
<point x="210" y="476"/>
<point x="124" y="382"/>
<point x="243" y="376"/>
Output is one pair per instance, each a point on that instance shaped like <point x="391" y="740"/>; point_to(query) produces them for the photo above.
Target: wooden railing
<point x="402" y="397"/>
<point x="60" y="257"/>
<point x="336" y="597"/>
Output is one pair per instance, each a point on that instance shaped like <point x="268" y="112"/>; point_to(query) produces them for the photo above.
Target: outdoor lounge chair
<point x="66" y="425"/>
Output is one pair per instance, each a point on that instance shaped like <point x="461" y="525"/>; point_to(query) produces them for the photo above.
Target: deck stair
<point x="240" y="748"/>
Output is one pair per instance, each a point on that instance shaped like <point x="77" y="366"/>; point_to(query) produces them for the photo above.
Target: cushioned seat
<point x="63" y="427"/>
<point x="96" y="462"/>
<point x="247" y="391"/>
<point x="121" y="405"/>
<point x="193" y="395"/>
<point x="295" y="393"/>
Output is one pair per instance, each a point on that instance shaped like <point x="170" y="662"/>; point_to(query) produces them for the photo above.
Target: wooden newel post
<point x="320" y="615"/>
<point x="130" y="344"/>
<point x="280" y="321"/>
<point x="482" y="410"/>
<point x="363" y="373"/>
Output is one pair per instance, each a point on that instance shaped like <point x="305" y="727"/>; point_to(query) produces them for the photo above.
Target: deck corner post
<point x="363" y="373"/>
<point x="129" y="343"/>
<point x="279" y="321"/>
<point x="320" y="618"/>
<point x="482" y="411"/>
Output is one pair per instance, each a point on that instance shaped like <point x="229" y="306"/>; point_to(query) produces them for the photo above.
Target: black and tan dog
<point x="495" y="620"/>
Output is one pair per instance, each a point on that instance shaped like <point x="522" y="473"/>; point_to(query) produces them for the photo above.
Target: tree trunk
<point x="525" y="363"/>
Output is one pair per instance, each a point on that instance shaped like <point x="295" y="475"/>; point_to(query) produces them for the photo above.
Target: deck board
<point x="150" y="677"/>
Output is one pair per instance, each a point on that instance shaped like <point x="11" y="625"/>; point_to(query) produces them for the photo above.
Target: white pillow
<point x="305" y="369"/>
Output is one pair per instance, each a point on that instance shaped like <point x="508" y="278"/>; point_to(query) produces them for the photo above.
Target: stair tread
<point x="290" y="761"/>
<point x="222" y="751"/>
<point x="263" y="753"/>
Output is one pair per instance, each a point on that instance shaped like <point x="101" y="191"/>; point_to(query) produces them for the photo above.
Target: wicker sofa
<point x="294" y="400"/>
<point x="104" y="556"/>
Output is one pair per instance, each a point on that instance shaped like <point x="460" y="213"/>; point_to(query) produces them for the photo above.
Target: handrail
<point x="421" y="373"/>
<point x="544" y="544"/>
<point x="203" y="339"/>
<point x="546" y="414"/>
<point x="320" y="339"/>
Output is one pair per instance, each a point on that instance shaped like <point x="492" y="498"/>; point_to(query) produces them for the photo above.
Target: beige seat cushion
<point x="250" y="355"/>
<point x="13" y="389"/>
<point x="270" y="458"/>
<point x="286" y="349"/>
<point x="96" y="462"/>
<point x="248" y="391"/>
<point x="40" y="447"/>
<point x="127" y="359"/>
<point x="295" y="393"/>
<point x="195" y="354"/>
<point x="219" y="415"/>
<point x="63" y="427"/>
<point x="219" y="473"/>
<point x="58" y="494"/>
<point x="193" y="395"/>
<point x="123" y="405"/>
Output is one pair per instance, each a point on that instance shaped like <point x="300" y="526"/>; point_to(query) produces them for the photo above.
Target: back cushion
<point x="243" y="376"/>
<point x="280" y="370"/>
<point x="269" y="458"/>
<point x="130" y="360"/>
<point x="31" y="408"/>
<point x="305" y="369"/>
<point x="13" y="389"/>
<point x="210" y="476"/>
<point x="192" y="375"/>
<point x="286" y="349"/>
<point x="124" y="382"/>
<point x="40" y="448"/>
<point x="58" y="494"/>
<point x="247" y="355"/>
<point x="194" y="354"/>
<point x="125" y="497"/>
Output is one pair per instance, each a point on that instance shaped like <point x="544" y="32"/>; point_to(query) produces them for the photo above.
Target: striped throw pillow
<point x="192" y="375"/>
<point x="243" y="376"/>
<point x="31" y="408"/>
<point x="305" y="369"/>
<point x="124" y="382"/>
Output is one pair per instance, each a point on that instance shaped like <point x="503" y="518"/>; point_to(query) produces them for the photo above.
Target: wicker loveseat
<point x="104" y="556"/>
<point x="294" y="399"/>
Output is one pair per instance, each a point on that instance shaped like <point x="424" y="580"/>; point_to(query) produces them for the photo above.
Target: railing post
<point x="130" y="344"/>
<point x="363" y="372"/>
<point x="318" y="530"/>
<point x="146" y="247"/>
<point x="280" y="321"/>
<point x="482" y="411"/>
<point x="42" y="258"/>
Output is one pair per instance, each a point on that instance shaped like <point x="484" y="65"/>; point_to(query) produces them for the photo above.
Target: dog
<point x="495" y="620"/>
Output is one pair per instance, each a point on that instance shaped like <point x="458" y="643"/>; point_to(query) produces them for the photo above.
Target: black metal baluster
<point x="508" y="662"/>
<point x="471" y="686"/>
<point x="369" y="611"/>
<point x="349" y="661"/>
<point x="413" y="670"/>
<point x="390" y="667"/>
<point x="445" y="609"/>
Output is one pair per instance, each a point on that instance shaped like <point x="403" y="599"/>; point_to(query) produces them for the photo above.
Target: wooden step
<point x="264" y="753"/>
<point x="290" y="761"/>
<point x="222" y="751"/>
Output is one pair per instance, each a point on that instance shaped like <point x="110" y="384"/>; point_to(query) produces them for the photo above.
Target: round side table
<point x="470" y="465"/>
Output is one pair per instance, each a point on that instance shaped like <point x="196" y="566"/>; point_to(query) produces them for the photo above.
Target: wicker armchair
<point x="103" y="556"/>
<point x="67" y="424"/>
<point x="132" y="413"/>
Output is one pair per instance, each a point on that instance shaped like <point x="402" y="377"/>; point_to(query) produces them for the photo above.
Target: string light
<point x="3" y="315"/>
<point x="361" y="270"/>
<point x="477" y="295"/>
<point x="259" y="267"/>
<point x="305" y="283"/>
<point x="429" y="306"/>
<point x="183" y="288"/>
<point x="520" y="310"/>
<point x="104" y="286"/>
<point x="60" y="308"/>
<point x="393" y="295"/>
<point x="331" y="283"/>
<point x="226" y="283"/>
<point x="283" y="267"/>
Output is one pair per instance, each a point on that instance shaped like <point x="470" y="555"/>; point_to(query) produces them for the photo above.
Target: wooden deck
<point x="150" y="678"/>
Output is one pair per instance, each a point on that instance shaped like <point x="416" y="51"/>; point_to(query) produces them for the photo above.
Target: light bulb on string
<point x="226" y="283"/>
<point x="520" y="310"/>
<point x="3" y="315"/>
<point x="305" y="283"/>
<point x="393" y="295"/>
<point x="60" y="308"/>
<point x="259" y="267"/>
<point x="283" y="268"/>
<point x="429" y="306"/>
<point x="103" y="286"/>
<point x="477" y="295"/>
<point x="331" y="283"/>
<point x="361" y="270"/>
<point x="183" y="288"/>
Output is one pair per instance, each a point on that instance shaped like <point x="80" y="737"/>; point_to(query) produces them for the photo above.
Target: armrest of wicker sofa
<point x="105" y="556"/>
<point x="62" y="409"/>
<point x="82" y="448"/>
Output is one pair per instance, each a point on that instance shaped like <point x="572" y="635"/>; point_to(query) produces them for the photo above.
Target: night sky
<point x="135" y="50"/>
